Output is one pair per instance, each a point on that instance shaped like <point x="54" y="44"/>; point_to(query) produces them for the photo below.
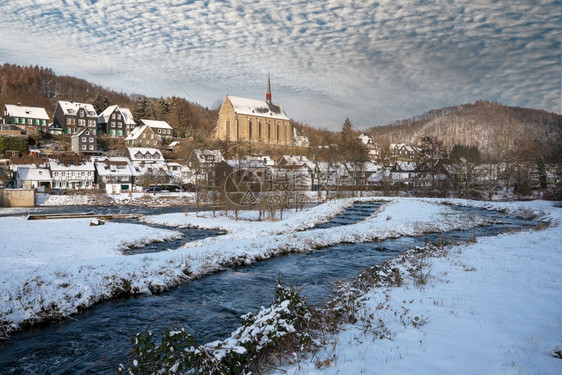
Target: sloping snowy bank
<point x="55" y="268"/>
<point x="491" y="307"/>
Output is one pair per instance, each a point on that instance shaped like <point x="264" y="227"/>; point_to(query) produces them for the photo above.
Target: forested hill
<point x="36" y="86"/>
<point x="492" y="127"/>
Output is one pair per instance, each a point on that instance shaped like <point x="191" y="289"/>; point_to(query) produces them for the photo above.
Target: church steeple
<point x="268" y="95"/>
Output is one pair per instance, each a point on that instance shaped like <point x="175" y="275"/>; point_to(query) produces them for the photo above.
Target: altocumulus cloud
<point x="375" y="61"/>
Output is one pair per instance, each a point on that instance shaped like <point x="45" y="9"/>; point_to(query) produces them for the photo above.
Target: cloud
<point x="376" y="61"/>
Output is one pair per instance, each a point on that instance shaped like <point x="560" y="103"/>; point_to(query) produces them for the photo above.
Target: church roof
<point x="245" y="106"/>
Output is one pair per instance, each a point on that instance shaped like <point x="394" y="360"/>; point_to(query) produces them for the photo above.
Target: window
<point x="83" y="139"/>
<point x="113" y="116"/>
<point x="83" y="147"/>
<point x="118" y="116"/>
<point x="91" y="139"/>
<point x="112" y="124"/>
<point x="68" y="121"/>
<point x="81" y="113"/>
<point x="91" y="123"/>
<point x="91" y="147"/>
<point x="119" y="125"/>
<point x="29" y="121"/>
<point x="81" y="122"/>
<point x="159" y="131"/>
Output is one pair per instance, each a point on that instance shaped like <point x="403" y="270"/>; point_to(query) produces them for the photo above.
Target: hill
<point x="491" y="127"/>
<point x="40" y="87"/>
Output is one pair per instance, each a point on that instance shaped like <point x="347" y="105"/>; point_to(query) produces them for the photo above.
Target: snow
<point x="245" y="106"/>
<point x="492" y="306"/>
<point x="27" y="112"/>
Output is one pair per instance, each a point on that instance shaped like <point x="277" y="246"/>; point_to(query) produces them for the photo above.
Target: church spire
<point x="268" y="95"/>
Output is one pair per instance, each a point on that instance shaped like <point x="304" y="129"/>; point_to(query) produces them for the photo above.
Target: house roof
<point x="81" y="132"/>
<point x="114" y="167"/>
<point x="72" y="108"/>
<point x="294" y="159"/>
<point x="34" y="174"/>
<point x="244" y="164"/>
<point x="63" y="163"/>
<point x="136" y="133"/>
<point x="133" y="151"/>
<point x="27" y="112"/>
<point x="106" y="114"/>
<point x="156" y="124"/>
<point x="245" y="106"/>
<point x="266" y="160"/>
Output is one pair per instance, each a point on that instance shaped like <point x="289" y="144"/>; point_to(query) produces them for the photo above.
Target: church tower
<point x="268" y="95"/>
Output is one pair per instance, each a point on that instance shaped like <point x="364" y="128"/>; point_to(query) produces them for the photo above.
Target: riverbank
<point x="487" y="307"/>
<point x="56" y="269"/>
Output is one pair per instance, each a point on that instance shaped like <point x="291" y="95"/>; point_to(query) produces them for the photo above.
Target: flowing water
<point x="97" y="340"/>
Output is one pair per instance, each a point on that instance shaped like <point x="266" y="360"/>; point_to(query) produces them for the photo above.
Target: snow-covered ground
<point x="490" y="307"/>
<point x="58" y="267"/>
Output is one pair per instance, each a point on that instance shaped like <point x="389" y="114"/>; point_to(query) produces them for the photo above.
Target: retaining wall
<point x="17" y="198"/>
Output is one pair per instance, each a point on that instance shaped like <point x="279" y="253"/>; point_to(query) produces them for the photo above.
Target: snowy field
<point x="491" y="307"/>
<point x="56" y="268"/>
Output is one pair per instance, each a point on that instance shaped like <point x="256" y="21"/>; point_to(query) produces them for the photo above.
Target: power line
<point x="173" y="80"/>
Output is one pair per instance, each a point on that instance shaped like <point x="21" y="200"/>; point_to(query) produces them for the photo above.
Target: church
<point x="250" y="120"/>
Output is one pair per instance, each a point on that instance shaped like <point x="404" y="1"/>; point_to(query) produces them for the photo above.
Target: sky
<point x="372" y="61"/>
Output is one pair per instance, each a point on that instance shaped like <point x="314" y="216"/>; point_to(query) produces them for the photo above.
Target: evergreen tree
<point x="101" y="103"/>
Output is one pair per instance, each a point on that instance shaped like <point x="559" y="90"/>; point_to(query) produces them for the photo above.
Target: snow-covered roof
<point x="245" y="106"/>
<point x="293" y="159"/>
<point x="266" y="160"/>
<point x="140" y="153"/>
<point x="114" y="167"/>
<point x="27" y="112"/>
<point x="136" y="133"/>
<point x="72" y="108"/>
<point x="106" y="114"/>
<point x="81" y="132"/>
<point x="74" y="164"/>
<point x="406" y="166"/>
<point x="156" y="124"/>
<point x="34" y="174"/>
<point x="366" y="139"/>
<point x="245" y="164"/>
<point x="202" y="154"/>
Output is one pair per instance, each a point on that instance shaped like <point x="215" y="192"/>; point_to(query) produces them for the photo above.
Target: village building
<point x="25" y="118"/>
<point x="116" y="122"/>
<point x="72" y="172"/>
<point x="115" y="175"/>
<point x="84" y="142"/>
<point x="32" y="177"/>
<point x="71" y="117"/>
<point x="256" y="121"/>
<point x="265" y="160"/>
<point x="147" y="160"/>
<point x="162" y="128"/>
<point x="293" y="160"/>
<point x="404" y="152"/>
<point x="143" y="136"/>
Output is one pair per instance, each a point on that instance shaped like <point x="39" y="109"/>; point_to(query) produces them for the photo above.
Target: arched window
<point x="250" y="130"/>
<point x="259" y="130"/>
<point x="228" y="129"/>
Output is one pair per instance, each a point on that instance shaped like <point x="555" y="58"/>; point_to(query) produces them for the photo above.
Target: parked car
<point x="164" y="188"/>
<point x="152" y="188"/>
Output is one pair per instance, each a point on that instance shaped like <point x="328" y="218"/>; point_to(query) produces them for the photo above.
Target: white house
<point x="161" y="128"/>
<point x="114" y="174"/>
<point x="32" y="177"/>
<point x="72" y="172"/>
<point x="146" y="159"/>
